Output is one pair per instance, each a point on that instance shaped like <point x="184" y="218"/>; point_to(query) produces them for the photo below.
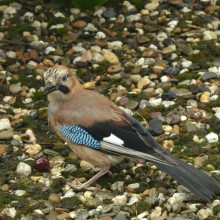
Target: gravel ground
<point x="157" y="60"/>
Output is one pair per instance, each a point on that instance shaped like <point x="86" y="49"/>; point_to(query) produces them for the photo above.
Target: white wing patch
<point x="114" y="140"/>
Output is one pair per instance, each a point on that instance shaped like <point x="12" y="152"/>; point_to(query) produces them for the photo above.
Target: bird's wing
<point x="124" y="137"/>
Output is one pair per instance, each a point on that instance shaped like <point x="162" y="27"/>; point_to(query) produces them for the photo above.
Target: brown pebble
<point x="114" y="69"/>
<point x="5" y="187"/>
<point x="54" y="198"/>
<point x="79" y="24"/>
<point x="52" y="216"/>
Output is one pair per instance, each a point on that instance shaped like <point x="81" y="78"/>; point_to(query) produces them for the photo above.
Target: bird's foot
<point x="80" y="186"/>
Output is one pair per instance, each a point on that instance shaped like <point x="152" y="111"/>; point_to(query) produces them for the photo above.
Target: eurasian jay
<point x="98" y="131"/>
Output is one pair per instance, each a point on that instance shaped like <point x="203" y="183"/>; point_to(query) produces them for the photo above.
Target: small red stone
<point x="42" y="164"/>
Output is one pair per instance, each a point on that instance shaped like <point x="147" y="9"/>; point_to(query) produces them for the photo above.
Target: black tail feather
<point x="193" y="179"/>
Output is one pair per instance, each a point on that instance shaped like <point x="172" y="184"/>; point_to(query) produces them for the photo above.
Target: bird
<point x="99" y="132"/>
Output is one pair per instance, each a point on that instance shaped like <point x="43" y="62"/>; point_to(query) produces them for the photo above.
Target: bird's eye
<point x="64" y="78"/>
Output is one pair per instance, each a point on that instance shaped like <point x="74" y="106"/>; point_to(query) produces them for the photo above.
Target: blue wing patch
<point x="78" y="135"/>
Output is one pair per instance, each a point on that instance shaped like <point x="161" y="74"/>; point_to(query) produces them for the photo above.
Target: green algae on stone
<point x="21" y="29"/>
<point x="70" y="202"/>
<point x="58" y="32"/>
<point x="22" y="182"/>
<point x="188" y="75"/>
<point x="57" y="185"/>
<point x="142" y="206"/>
<point x="56" y="20"/>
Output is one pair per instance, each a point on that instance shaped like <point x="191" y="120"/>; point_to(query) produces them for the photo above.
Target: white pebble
<point x="38" y="211"/>
<point x="167" y="104"/>
<point x="90" y="27"/>
<point x="19" y="192"/>
<point x="9" y="12"/>
<point x="36" y="24"/>
<point x="120" y="200"/>
<point x="212" y="137"/>
<point x="27" y="100"/>
<point x="183" y="117"/>
<point x="48" y="50"/>
<point x="75" y="11"/>
<point x="98" y="57"/>
<point x="186" y="63"/>
<point x="132" y="18"/>
<point x="79" y="49"/>
<point x="164" y="79"/>
<point x="4" y="124"/>
<point x="72" y="214"/>
<point x="59" y="14"/>
<point x="29" y="16"/>
<point x="161" y="36"/>
<point x="57" y="26"/>
<point x="100" y="35"/>
<point x="95" y="49"/>
<point x="217" y="115"/>
<point x="134" y="185"/>
<point x="11" y="212"/>
<point x="11" y="54"/>
<point x="155" y="102"/>
<point x="23" y="169"/>
<point x="209" y="35"/>
<point x="115" y="45"/>
<point x="1" y="35"/>
<point x="204" y="213"/>
<point x="133" y="200"/>
<point x="140" y="62"/>
<point x="69" y="193"/>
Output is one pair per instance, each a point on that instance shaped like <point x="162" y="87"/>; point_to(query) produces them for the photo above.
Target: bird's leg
<point x="97" y="169"/>
<point x="86" y="185"/>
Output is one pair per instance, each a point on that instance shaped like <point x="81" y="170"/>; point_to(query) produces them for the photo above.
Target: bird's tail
<point x="192" y="178"/>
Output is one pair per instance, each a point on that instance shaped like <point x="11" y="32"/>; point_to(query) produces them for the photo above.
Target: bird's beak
<point x="48" y="88"/>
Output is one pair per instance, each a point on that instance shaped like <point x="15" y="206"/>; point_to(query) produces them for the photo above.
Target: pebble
<point x="23" y="169"/>
<point x="208" y="75"/>
<point x="84" y="165"/>
<point x="11" y="54"/>
<point x="19" y="192"/>
<point x="205" y="98"/>
<point x="109" y="14"/>
<point x="143" y="82"/>
<point x="110" y="57"/>
<point x="49" y="50"/>
<point x="79" y="24"/>
<point x="204" y="213"/>
<point x="82" y="214"/>
<point x="5" y="124"/>
<point x="186" y="63"/>
<point x="120" y="200"/>
<point x="11" y="212"/>
<point x="5" y="187"/>
<point x="155" y="127"/>
<point x="135" y="78"/>
<point x="131" y="105"/>
<point x="114" y="69"/>
<point x="212" y="137"/>
<point x="15" y="88"/>
<point x="155" y="102"/>
<point x="134" y="185"/>
<point x="199" y="161"/>
<point x="115" y="45"/>
<point x="54" y="198"/>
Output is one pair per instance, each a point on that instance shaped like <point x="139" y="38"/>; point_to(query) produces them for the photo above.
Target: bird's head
<point x="59" y="79"/>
